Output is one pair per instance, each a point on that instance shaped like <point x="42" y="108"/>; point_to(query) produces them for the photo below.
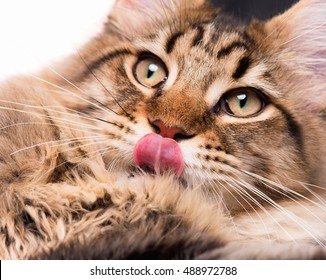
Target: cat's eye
<point x="243" y="102"/>
<point x="150" y="72"/>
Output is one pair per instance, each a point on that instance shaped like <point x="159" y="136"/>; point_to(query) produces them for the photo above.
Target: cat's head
<point x="244" y="104"/>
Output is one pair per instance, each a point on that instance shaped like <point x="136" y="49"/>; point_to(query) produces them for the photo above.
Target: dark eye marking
<point x="200" y="35"/>
<point x="242" y="68"/>
<point x="106" y="58"/>
<point x="293" y="127"/>
<point x="172" y="41"/>
<point x="229" y="49"/>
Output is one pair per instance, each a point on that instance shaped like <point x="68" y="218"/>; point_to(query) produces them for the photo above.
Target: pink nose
<point x="166" y="131"/>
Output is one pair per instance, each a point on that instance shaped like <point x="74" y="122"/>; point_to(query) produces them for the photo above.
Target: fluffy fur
<point x="252" y="187"/>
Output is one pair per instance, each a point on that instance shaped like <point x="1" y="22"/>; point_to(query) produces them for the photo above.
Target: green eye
<point x="150" y="72"/>
<point x="243" y="102"/>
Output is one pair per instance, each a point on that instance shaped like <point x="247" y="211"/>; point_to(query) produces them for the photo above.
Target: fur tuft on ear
<point x="132" y="17"/>
<point x="301" y="33"/>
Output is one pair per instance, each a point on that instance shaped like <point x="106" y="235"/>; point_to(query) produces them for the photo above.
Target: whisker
<point x="93" y="154"/>
<point x="55" y="141"/>
<point x="283" y="20"/>
<point x="304" y="33"/>
<point x="236" y="199"/>
<point x="267" y="199"/>
<point x="103" y="86"/>
<point x="243" y="194"/>
<point x="24" y="123"/>
<point x="51" y="118"/>
<point x="105" y="150"/>
<point x="73" y="94"/>
<point x="86" y="145"/>
<point x="284" y="188"/>
<point x="48" y="108"/>
<point x="219" y="200"/>
<point x="313" y="193"/>
<point x="300" y="222"/>
<point x="77" y="140"/>
<point x="84" y="159"/>
<point x="239" y="191"/>
<point x="82" y="91"/>
<point x="302" y="205"/>
<point x="250" y="159"/>
<point x="48" y="124"/>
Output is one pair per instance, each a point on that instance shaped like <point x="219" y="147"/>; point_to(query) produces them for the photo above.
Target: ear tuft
<point x="304" y="30"/>
<point x="301" y="32"/>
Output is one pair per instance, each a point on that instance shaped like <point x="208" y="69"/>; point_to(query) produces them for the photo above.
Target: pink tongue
<point x="158" y="154"/>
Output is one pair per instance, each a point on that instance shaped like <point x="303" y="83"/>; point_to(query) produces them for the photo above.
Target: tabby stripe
<point x="267" y="75"/>
<point x="200" y="35"/>
<point x="293" y="126"/>
<point x="242" y="68"/>
<point x="107" y="58"/>
<point x="172" y="41"/>
<point x="322" y="114"/>
<point x="227" y="50"/>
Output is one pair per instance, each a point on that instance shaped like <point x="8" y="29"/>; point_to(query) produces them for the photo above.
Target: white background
<point x="253" y="270"/>
<point x="35" y="32"/>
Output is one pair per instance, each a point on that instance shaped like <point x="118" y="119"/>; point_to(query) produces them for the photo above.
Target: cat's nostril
<point x="179" y="137"/>
<point x="156" y="128"/>
<point x="175" y="133"/>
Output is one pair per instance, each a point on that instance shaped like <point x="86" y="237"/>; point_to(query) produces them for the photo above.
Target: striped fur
<point x="253" y="187"/>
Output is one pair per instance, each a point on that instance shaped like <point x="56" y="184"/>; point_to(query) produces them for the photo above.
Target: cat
<point x="177" y="133"/>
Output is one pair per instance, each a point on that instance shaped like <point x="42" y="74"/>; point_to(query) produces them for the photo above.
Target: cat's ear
<point x="301" y="34"/>
<point x="157" y="5"/>
<point x="134" y="16"/>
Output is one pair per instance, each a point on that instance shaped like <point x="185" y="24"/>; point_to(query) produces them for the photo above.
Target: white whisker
<point x="66" y="141"/>
<point x="284" y="188"/>
<point x="291" y="216"/>
<point x="304" y="33"/>
<point x="51" y="118"/>
<point x="71" y="93"/>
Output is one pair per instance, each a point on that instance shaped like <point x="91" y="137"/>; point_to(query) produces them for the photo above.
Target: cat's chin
<point x="125" y="168"/>
<point x="189" y="178"/>
<point x="136" y="175"/>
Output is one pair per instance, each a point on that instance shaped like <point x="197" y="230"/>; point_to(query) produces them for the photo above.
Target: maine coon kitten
<point x="239" y="171"/>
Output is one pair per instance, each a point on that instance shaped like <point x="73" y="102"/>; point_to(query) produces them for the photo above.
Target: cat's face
<point x="226" y="94"/>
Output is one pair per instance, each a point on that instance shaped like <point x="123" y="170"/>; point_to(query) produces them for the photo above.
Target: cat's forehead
<point x="186" y="35"/>
<point x="211" y="30"/>
<point x="202" y="52"/>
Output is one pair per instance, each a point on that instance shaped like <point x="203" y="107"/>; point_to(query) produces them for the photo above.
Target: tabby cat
<point x="178" y="132"/>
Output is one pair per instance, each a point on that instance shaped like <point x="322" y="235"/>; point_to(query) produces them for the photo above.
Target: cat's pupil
<point x="150" y="72"/>
<point x="243" y="99"/>
<point x="152" y="68"/>
<point x="243" y="102"/>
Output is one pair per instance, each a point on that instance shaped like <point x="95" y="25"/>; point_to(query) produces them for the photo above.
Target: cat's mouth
<point x="158" y="154"/>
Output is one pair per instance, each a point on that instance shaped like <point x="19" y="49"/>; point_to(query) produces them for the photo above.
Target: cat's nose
<point x="176" y="133"/>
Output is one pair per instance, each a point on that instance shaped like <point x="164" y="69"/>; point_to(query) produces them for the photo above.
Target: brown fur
<point x="252" y="187"/>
